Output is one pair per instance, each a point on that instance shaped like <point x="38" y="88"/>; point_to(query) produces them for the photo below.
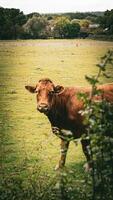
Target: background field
<point x="27" y="143"/>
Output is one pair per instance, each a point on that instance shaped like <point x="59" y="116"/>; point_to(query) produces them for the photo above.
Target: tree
<point x="64" y="28"/>
<point x="35" y="27"/>
<point x="59" y="30"/>
<point x="73" y="30"/>
<point x="11" y="21"/>
<point x="106" y="21"/>
<point x="85" y="23"/>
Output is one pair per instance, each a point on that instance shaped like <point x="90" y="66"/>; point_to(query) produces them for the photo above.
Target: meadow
<point x="28" y="149"/>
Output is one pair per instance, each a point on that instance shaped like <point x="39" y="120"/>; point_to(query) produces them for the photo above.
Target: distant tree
<point x="84" y="31"/>
<point x="60" y="27"/>
<point x="85" y="23"/>
<point x="17" y="19"/>
<point x="79" y="15"/>
<point x="49" y="17"/>
<point x="92" y="19"/>
<point x="2" y="20"/>
<point x="11" y="21"/>
<point x="106" y="21"/>
<point x="14" y="24"/>
<point x="35" y="27"/>
<point x="74" y="29"/>
<point x="64" y="28"/>
<point x="30" y="15"/>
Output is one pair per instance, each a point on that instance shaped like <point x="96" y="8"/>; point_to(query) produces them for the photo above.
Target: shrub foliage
<point x="99" y="120"/>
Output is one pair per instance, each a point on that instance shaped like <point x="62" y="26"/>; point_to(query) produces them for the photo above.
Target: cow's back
<point x="107" y="91"/>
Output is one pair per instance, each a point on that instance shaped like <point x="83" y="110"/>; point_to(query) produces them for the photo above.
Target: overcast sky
<point x="50" y="6"/>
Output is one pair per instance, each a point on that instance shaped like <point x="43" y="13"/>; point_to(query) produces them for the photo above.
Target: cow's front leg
<point x="85" y="146"/>
<point x="56" y="130"/>
<point x="64" y="149"/>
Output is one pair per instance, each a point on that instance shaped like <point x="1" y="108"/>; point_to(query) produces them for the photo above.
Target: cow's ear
<point x="30" y="88"/>
<point x="59" y="89"/>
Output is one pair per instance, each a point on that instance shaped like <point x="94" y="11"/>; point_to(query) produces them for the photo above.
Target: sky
<point x="57" y="6"/>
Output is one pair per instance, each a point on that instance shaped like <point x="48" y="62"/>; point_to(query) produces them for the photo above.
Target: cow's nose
<point x="42" y="108"/>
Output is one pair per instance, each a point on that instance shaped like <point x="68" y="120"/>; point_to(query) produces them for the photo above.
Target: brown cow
<point x="61" y="106"/>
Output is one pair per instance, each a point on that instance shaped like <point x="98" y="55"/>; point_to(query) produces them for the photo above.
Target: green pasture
<point x="28" y="149"/>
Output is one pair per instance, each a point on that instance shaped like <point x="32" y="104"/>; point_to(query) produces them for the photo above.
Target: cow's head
<point x="45" y="91"/>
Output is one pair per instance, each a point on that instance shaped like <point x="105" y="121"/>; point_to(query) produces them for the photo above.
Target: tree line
<point x="14" y="24"/>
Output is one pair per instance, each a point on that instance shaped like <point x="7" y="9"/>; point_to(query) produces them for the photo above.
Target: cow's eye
<point x="37" y="91"/>
<point x="51" y="92"/>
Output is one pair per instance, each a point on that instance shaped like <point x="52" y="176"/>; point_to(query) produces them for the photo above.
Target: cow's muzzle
<point x="43" y="108"/>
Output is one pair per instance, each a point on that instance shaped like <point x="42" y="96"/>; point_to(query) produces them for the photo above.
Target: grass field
<point x="28" y="149"/>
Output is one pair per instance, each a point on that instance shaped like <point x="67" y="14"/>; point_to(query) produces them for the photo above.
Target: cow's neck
<point x="58" y="111"/>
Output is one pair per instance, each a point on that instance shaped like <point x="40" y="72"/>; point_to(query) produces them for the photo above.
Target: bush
<point x="99" y="120"/>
